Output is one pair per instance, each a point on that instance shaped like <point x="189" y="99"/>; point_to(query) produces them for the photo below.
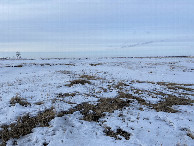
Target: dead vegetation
<point x="167" y="100"/>
<point x="25" y="124"/>
<point x="175" y="86"/>
<point x="169" y="85"/>
<point x="65" y="72"/>
<point x="20" y="65"/>
<point x="89" y="77"/>
<point x="120" y="85"/>
<point x="48" y="64"/>
<point x="130" y="96"/>
<point x="119" y="132"/>
<point x="19" y="100"/>
<point x="92" y="112"/>
<point x="69" y="64"/>
<point x="188" y="132"/>
<point x="95" y="64"/>
<point x="79" y="81"/>
<point x="39" y="103"/>
<point x="190" y="135"/>
<point x="63" y="95"/>
<point x="164" y="105"/>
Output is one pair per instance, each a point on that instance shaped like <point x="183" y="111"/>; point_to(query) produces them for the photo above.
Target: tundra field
<point x="97" y="102"/>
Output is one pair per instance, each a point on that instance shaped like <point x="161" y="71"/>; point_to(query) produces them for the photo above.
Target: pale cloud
<point x="63" y="25"/>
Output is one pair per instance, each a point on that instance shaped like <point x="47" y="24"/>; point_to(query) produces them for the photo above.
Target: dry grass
<point x="163" y="105"/>
<point x="65" y="72"/>
<point x="79" y="81"/>
<point x="44" y="64"/>
<point x="69" y="64"/>
<point x="20" y="65"/>
<point x="95" y="112"/>
<point x="130" y="96"/>
<point x="62" y="95"/>
<point x="95" y="64"/>
<point x="25" y="124"/>
<point x="19" y="100"/>
<point x="119" y="132"/>
<point x="120" y="85"/>
<point x="39" y="103"/>
<point x="168" y="100"/>
<point x="167" y="103"/>
<point x="172" y="86"/>
<point x="175" y="86"/>
<point x="190" y="135"/>
<point x="89" y="77"/>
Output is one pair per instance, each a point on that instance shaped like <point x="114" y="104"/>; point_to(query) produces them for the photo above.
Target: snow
<point x="42" y="80"/>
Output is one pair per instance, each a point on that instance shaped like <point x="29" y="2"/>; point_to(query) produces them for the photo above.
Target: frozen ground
<point x="106" y="101"/>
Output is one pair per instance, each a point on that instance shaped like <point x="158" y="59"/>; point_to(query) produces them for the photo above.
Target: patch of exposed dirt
<point x="25" y="124"/>
<point x="119" y="132"/>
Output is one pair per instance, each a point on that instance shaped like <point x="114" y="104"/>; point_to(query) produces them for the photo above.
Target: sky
<point x="137" y="26"/>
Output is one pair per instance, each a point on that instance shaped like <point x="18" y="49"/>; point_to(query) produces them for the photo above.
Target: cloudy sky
<point x="97" y="25"/>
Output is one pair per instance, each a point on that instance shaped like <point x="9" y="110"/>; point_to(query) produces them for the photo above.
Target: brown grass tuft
<point x="95" y="64"/>
<point x="79" y="81"/>
<point x="119" y="132"/>
<point x="89" y="77"/>
<point x="18" y="99"/>
<point x="190" y="135"/>
<point x="25" y="124"/>
<point x="95" y="112"/>
<point x="163" y="105"/>
<point x="62" y="95"/>
<point x="39" y="103"/>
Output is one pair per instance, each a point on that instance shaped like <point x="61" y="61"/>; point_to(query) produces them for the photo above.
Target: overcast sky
<point x="89" y="25"/>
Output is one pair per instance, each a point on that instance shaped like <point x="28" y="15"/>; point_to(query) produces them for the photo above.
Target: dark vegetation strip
<point x="25" y="124"/>
<point x="92" y="112"/>
<point x="119" y="132"/>
<point x="79" y="81"/>
<point x="163" y="105"/>
<point x="19" y="100"/>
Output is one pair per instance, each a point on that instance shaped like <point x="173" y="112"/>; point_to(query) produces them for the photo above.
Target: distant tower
<point x="18" y="55"/>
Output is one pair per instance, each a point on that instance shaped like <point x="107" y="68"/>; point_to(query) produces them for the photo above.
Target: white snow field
<point x="97" y="102"/>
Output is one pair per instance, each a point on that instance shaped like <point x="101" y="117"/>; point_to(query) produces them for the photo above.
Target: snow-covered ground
<point x="140" y="109"/>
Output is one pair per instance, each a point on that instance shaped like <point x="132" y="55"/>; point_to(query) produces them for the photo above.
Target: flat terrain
<point x="93" y="102"/>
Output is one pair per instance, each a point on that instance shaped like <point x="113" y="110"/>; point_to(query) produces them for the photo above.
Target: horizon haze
<point x="136" y="27"/>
